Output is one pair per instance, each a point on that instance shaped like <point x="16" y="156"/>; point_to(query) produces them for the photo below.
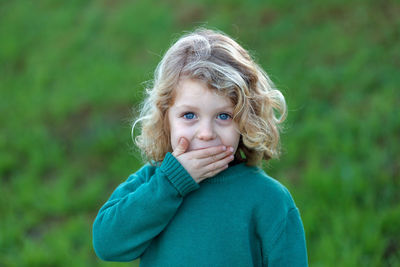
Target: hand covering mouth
<point x="203" y="146"/>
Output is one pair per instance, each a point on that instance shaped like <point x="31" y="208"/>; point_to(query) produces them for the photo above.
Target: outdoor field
<point x="72" y="76"/>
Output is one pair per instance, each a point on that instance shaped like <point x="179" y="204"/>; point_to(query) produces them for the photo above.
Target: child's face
<point x="203" y="117"/>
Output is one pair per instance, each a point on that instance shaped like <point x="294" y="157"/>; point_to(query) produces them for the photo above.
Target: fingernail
<point x="231" y="149"/>
<point x="224" y="148"/>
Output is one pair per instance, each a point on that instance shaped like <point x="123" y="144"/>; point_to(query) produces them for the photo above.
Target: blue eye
<point x="189" y="116"/>
<point x="224" y="116"/>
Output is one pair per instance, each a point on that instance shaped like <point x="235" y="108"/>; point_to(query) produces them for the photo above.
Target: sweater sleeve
<point x="288" y="245"/>
<point x="139" y="209"/>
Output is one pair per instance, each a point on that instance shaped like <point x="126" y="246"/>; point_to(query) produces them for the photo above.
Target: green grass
<point x="71" y="72"/>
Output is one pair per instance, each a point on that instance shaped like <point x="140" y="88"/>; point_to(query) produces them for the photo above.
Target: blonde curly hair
<point x="215" y="58"/>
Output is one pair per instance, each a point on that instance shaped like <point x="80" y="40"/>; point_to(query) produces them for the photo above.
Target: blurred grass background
<point x="72" y="71"/>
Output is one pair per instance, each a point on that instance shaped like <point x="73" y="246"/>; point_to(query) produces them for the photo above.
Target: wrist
<point x="177" y="175"/>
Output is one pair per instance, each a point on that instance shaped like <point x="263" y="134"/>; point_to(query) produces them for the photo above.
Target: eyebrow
<point x="184" y="106"/>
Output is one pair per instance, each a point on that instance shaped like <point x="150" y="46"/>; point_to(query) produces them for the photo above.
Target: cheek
<point x="178" y="131"/>
<point x="235" y="140"/>
<point x="232" y="138"/>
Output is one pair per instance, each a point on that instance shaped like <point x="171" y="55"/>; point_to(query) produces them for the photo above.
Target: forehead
<point x="197" y="91"/>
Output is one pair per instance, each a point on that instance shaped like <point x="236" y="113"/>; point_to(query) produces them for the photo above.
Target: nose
<point x="206" y="131"/>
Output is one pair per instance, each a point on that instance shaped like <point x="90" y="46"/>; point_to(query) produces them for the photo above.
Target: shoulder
<point x="267" y="187"/>
<point x="272" y="202"/>
<point x="271" y="196"/>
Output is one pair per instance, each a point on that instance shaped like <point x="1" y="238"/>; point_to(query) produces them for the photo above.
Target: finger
<point x="209" y="151"/>
<point x="215" y="171"/>
<point x="181" y="148"/>
<point x="216" y="157"/>
<point x="218" y="164"/>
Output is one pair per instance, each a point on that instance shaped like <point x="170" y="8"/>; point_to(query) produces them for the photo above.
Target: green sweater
<point x="240" y="217"/>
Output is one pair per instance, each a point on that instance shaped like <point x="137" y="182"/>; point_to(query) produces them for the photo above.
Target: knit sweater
<point x="240" y="217"/>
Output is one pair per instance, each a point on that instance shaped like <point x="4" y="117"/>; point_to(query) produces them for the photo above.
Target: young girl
<point x="208" y="121"/>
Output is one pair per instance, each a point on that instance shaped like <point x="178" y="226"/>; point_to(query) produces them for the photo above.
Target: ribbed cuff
<point x="177" y="175"/>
